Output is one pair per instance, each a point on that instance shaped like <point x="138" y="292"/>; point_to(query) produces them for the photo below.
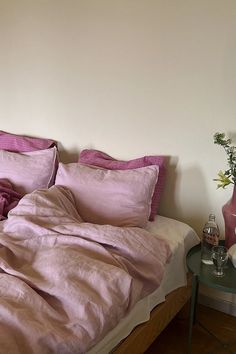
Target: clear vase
<point x="229" y="214"/>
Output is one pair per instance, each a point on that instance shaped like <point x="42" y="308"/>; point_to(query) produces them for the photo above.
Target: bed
<point x="149" y="317"/>
<point x="86" y="265"/>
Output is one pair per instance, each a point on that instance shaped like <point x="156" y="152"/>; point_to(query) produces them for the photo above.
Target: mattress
<point x="181" y="238"/>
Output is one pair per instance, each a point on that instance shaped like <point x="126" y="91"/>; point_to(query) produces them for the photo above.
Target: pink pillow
<point x="29" y="170"/>
<point x="22" y="143"/>
<point x="120" y="198"/>
<point x="100" y="159"/>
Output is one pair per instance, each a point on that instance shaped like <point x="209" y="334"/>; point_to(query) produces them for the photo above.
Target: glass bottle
<point x="210" y="238"/>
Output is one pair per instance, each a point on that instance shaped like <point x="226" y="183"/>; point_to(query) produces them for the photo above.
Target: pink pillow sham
<point x="119" y="198"/>
<point x="100" y="159"/>
<point x="22" y="143"/>
<point x="28" y="171"/>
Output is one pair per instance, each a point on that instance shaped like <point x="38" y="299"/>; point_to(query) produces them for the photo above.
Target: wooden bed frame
<point x="144" y="334"/>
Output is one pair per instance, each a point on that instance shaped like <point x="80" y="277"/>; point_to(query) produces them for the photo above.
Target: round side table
<point x="202" y="273"/>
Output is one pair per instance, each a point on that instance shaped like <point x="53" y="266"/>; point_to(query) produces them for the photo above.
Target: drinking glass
<point x="219" y="257"/>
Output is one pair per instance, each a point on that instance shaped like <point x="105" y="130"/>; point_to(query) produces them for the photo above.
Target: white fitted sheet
<point x="181" y="238"/>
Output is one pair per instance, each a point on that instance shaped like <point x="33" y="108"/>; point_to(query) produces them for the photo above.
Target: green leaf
<point x="223" y="180"/>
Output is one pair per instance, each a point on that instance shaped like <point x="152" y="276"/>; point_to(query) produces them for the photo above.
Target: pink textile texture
<point x="229" y="214"/>
<point x="22" y="143"/>
<point x="66" y="283"/>
<point x="100" y="159"/>
<point x="29" y="170"/>
<point x="8" y="198"/>
<point x="119" y="198"/>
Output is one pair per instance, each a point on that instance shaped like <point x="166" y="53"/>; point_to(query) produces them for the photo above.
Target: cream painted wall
<point x="128" y="77"/>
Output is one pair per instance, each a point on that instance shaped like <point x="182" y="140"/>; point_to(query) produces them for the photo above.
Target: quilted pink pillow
<point x="100" y="159"/>
<point x="119" y="198"/>
<point x="22" y="143"/>
<point x="29" y="170"/>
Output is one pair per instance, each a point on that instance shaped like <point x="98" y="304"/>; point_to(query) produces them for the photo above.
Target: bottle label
<point x="211" y="239"/>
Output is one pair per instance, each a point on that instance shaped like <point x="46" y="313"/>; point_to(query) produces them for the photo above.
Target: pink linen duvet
<point x="65" y="283"/>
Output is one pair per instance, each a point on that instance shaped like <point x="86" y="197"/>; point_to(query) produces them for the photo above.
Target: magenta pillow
<point x="100" y="159"/>
<point x="29" y="170"/>
<point x="119" y="198"/>
<point x="22" y="143"/>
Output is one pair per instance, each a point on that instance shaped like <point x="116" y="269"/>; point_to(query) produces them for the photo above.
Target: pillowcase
<point x="100" y="159"/>
<point x="28" y="171"/>
<point x="119" y="198"/>
<point x="22" y="143"/>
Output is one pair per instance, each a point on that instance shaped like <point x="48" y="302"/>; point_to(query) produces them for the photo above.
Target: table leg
<point x="192" y="317"/>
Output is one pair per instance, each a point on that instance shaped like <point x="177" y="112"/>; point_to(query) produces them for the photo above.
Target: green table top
<point x="227" y="283"/>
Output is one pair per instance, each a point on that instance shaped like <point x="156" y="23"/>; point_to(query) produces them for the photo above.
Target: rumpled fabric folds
<point x="9" y="198"/>
<point x="64" y="283"/>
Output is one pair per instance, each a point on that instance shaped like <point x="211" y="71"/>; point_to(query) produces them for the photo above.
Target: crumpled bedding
<point x="9" y="198"/>
<point x="65" y="283"/>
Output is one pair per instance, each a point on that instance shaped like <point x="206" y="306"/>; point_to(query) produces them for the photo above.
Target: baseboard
<point x="218" y="304"/>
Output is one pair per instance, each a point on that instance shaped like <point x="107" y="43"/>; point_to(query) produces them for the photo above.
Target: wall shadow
<point x="180" y="199"/>
<point x="67" y="155"/>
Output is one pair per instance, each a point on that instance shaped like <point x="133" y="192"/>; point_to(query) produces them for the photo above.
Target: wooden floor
<point x="211" y="327"/>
